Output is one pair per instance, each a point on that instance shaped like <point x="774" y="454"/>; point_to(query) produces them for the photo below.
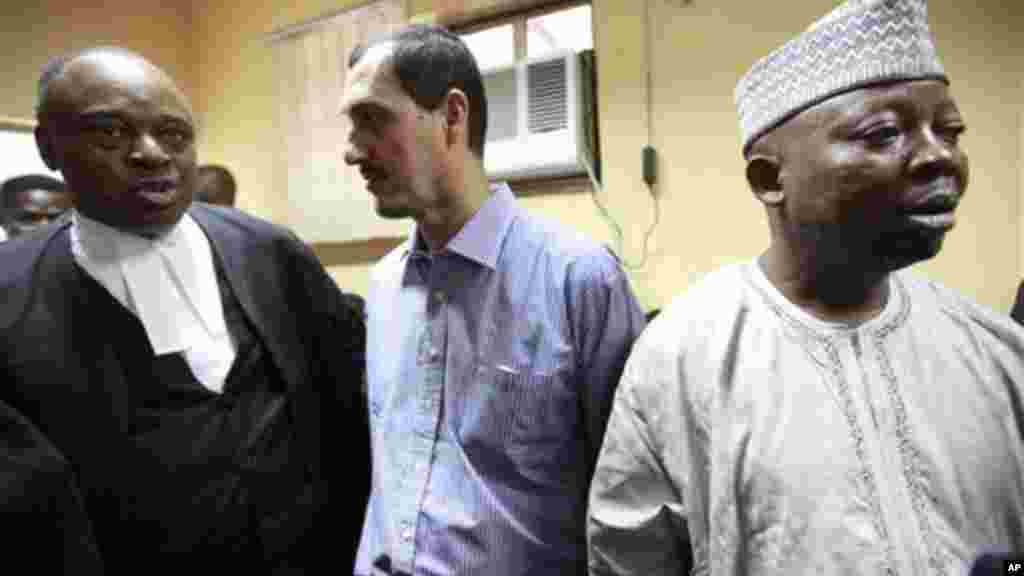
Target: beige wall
<point x="699" y="50"/>
<point x="981" y="46"/>
<point x="236" y="91"/>
<point x="32" y="32"/>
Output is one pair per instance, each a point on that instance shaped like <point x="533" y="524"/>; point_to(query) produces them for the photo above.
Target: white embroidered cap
<point x="860" y="43"/>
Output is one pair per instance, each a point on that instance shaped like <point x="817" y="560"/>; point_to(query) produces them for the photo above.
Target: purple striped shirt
<point x="491" y="367"/>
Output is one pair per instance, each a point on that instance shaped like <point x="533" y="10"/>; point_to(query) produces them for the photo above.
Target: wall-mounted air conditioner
<point x="540" y="117"/>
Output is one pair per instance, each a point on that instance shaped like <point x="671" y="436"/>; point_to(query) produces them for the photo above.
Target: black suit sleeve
<point x="40" y="497"/>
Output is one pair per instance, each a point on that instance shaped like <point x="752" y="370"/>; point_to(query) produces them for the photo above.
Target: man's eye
<point x="364" y="123"/>
<point x="175" y="137"/>
<point x="881" y="136"/>
<point x="111" y="131"/>
<point x="370" y="120"/>
<point x="109" y="135"/>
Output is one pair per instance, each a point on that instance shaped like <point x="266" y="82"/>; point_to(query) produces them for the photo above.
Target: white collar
<point x="168" y="282"/>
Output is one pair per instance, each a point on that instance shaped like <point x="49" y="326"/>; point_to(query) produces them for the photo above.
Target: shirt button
<point x="407" y="534"/>
<point x="434" y="354"/>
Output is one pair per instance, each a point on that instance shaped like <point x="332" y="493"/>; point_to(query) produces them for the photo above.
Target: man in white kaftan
<point x="773" y="442"/>
<point x="820" y="410"/>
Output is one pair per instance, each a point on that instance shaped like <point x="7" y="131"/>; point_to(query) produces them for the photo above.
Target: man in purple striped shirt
<point x="495" y="339"/>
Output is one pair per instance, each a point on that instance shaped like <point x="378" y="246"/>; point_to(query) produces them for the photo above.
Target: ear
<point x="45" y="145"/>
<point x="764" y="175"/>
<point x="455" y="114"/>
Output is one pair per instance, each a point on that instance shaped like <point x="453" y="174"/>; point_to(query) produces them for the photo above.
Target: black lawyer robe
<point x="55" y="359"/>
<point x="40" y="502"/>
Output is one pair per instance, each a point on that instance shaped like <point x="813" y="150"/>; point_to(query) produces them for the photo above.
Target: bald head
<point x="117" y="65"/>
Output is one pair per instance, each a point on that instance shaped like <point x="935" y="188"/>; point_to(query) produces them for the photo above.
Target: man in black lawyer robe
<point x="193" y="365"/>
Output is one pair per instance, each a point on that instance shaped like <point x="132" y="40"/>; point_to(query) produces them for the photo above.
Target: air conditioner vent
<point x="548" y="100"/>
<point x="535" y="118"/>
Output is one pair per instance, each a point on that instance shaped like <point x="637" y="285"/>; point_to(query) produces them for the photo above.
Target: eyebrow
<point x="905" y="99"/>
<point x="40" y="209"/>
<point x="112" y="116"/>
<point x="99" y="116"/>
<point x="877" y="104"/>
<point x="366" y="105"/>
<point x="948" y="105"/>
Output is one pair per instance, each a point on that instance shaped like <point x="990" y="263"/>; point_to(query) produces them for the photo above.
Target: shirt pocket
<point x="537" y="407"/>
<point x="526" y="419"/>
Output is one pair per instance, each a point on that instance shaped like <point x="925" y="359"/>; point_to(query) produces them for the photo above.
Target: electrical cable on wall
<point x="649" y="171"/>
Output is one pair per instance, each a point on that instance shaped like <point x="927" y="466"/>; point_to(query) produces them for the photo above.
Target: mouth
<point x="936" y="208"/>
<point x="943" y="221"/>
<point x="157" y="192"/>
<point x="373" y="177"/>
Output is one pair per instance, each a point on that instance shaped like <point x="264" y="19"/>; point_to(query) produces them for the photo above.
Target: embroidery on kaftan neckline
<point x="914" y="472"/>
<point x="809" y="340"/>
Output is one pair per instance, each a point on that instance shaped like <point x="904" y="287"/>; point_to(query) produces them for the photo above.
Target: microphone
<point x="992" y="563"/>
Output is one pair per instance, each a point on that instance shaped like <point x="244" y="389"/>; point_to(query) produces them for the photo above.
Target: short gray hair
<point x="53" y="69"/>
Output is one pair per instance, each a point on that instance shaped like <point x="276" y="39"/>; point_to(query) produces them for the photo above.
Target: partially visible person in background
<point x="30" y="202"/>
<point x="215" y="185"/>
<point x="1017" y="312"/>
<point x="996" y="563"/>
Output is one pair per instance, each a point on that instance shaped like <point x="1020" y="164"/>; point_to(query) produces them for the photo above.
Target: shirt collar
<point x="480" y="238"/>
<point x="892" y="313"/>
<point x="169" y="299"/>
<point x="103" y="243"/>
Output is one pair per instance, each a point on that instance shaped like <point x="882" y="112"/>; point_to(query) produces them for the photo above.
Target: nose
<point x="357" y="152"/>
<point x="934" y="156"/>
<point x="148" y="152"/>
<point x="361" y="144"/>
<point x="354" y="156"/>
